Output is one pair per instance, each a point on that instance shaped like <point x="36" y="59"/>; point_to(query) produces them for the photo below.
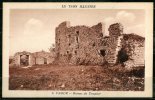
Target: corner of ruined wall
<point x="115" y="29"/>
<point x="64" y="24"/>
<point x="61" y="27"/>
<point x="136" y="49"/>
<point x="99" y="28"/>
<point x="16" y="59"/>
<point x="60" y="32"/>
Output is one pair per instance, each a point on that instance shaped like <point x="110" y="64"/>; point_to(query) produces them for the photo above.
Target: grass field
<point x="54" y="77"/>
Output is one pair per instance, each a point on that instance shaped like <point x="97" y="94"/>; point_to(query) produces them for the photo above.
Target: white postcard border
<point x="148" y="7"/>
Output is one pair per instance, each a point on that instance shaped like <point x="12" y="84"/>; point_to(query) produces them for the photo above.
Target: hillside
<point x="50" y="77"/>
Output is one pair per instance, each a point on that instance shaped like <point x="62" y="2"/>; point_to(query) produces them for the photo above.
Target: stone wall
<point x="131" y="47"/>
<point x="88" y="45"/>
<point x="112" y="43"/>
<point x="115" y="29"/>
<point x="41" y="57"/>
<point x="135" y="47"/>
<point x="79" y="44"/>
<point x="19" y="54"/>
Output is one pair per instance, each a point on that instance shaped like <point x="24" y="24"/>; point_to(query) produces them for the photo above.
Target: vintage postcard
<point x="77" y="49"/>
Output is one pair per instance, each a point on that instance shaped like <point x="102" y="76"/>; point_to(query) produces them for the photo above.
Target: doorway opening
<point x="122" y="56"/>
<point x="24" y="60"/>
<point x="45" y="60"/>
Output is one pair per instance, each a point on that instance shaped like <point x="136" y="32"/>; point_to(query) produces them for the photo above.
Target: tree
<point x="52" y="48"/>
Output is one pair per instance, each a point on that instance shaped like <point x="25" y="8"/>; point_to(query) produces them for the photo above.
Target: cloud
<point x="34" y="21"/>
<point x="126" y="19"/>
<point x="123" y="17"/>
<point x="33" y="26"/>
<point x="109" y="20"/>
<point x="35" y="37"/>
<point x="137" y="29"/>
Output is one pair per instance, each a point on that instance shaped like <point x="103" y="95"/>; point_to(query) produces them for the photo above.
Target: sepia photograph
<point x="77" y="48"/>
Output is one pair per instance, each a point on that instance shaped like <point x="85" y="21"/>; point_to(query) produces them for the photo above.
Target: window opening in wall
<point x="77" y="32"/>
<point x="69" y="36"/>
<point x="59" y="42"/>
<point x="77" y="36"/>
<point x="67" y="52"/>
<point x="103" y="52"/>
<point x="75" y="52"/>
<point x="93" y="44"/>
<point x="69" y="56"/>
<point x="35" y="60"/>
<point x="77" y="39"/>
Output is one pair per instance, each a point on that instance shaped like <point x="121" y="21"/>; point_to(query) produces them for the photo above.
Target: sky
<point x="34" y="29"/>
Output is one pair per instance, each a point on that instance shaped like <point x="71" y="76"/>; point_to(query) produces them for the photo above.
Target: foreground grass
<point x="53" y="77"/>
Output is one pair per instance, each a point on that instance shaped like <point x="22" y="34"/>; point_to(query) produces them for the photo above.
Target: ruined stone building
<point x="26" y="58"/>
<point x="85" y="45"/>
<point x="23" y="58"/>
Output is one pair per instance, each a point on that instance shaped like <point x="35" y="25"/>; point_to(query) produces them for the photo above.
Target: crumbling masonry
<point x="28" y="59"/>
<point x="83" y="45"/>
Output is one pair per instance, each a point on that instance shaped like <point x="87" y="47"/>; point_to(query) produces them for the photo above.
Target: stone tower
<point x="79" y="44"/>
<point x="114" y="41"/>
